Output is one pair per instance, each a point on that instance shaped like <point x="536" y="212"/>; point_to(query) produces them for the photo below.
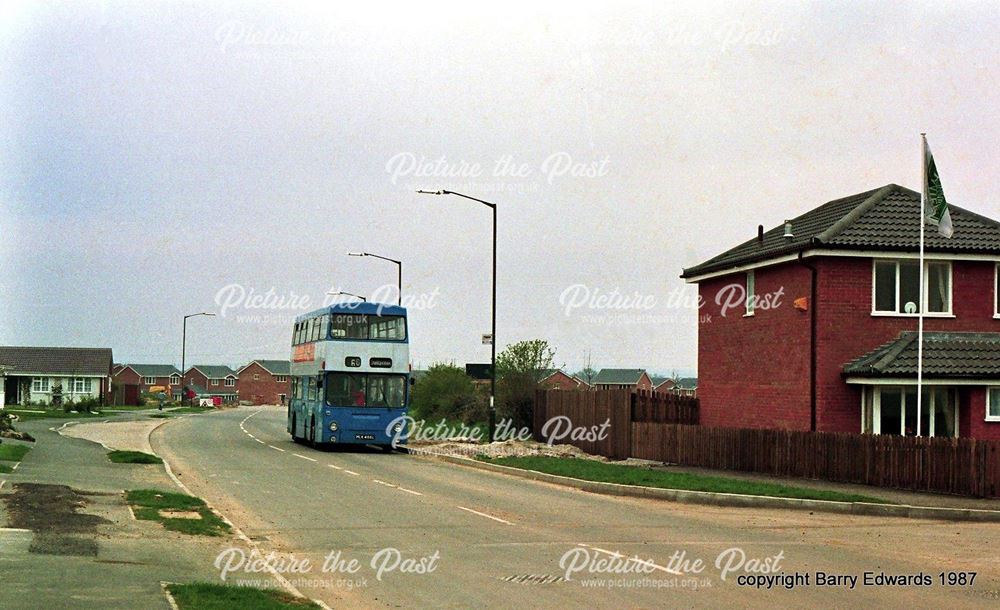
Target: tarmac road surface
<point x="426" y="534"/>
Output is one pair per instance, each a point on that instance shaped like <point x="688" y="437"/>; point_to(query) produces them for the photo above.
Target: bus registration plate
<point x="365" y="437"/>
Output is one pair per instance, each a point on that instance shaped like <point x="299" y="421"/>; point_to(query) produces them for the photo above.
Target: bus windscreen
<point x="363" y="390"/>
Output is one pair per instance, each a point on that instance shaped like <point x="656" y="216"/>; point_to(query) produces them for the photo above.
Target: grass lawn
<point x="148" y="504"/>
<point x="13" y="453"/>
<point x="160" y="415"/>
<point x="133" y="457"/>
<point x="24" y="414"/>
<point x="592" y="470"/>
<point x="130" y="407"/>
<point x="205" y="596"/>
<point x="5" y="469"/>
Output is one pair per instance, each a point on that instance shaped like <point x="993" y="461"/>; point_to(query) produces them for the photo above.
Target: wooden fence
<point x="659" y="428"/>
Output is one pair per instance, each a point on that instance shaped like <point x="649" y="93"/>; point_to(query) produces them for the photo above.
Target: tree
<point x="519" y="369"/>
<point x="445" y="391"/>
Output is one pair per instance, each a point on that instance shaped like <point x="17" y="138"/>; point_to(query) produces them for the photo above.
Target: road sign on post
<point x="487" y="339"/>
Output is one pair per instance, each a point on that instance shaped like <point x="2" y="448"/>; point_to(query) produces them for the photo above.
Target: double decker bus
<point x="350" y="374"/>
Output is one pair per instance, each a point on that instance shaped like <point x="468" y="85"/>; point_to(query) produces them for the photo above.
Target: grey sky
<point x="155" y="153"/>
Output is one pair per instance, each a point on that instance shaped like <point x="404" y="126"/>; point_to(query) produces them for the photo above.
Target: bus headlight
<point x="333" y="426"/>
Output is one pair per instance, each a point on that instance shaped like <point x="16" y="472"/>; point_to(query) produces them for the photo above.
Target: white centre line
<point x="304" y="457"/>
<point x="276" y="448"/>
<point x="476" y="512"/>
<point x="260" y="441"/>
<point x="410" y="491"/>
<point x="334" y="467"/>
<point x="2" y="484"/>
<point x="351" y="472"/>
<point x="642" y="561"/>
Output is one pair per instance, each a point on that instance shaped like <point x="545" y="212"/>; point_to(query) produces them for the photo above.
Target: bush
<point x="446" y="392"/>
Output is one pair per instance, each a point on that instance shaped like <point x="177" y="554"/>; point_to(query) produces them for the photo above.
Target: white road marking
<point x="334" y="467"/>
<point x="2" y="484"/>
<point x="260" y="441"/>
<point x="476" y="512"/>
<point x="170" y="598"/>
<point x="351" y="472"/>
<point x="276" y="448"/>
<point x="643" y="561"/>
<point x="384" y="483"/>
<point x="130" y="513"/>
<point x="304" y="457"/>
<point x="14" y="467"/>
<point x="410" y="491"/>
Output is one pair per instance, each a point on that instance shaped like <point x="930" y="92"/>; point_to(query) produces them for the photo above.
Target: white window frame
<point x="82" y="385"/>
<point x="989" y="391"/>
<point x="925" y="293"/>
<point x="751" y="291"/>
<point x="175" y="380"/>
<point x="932" y="407"/>
<point x="149" y="380"/>
<point x="44" y="384"/>
<point x="215" y="382"/>
<point x="281" y="378"/>
<point x="256" y="377"/>
<point x="996" y="291"/>
<point x="230" y="382"/>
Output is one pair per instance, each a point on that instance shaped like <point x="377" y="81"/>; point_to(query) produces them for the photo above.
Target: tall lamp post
<point x="399" y="270"/>
<point x="349" y="294"/>
<point x="184" y="336"/>
<point x="493" y="328"/>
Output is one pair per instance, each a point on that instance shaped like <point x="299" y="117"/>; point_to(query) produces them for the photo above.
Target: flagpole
<point x="922" y="297"/>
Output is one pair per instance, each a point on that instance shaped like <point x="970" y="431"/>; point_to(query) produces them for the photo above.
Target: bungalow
<point x="54" y="375"/>
<point x="264" y="382"/>
<point x="811" y="325"/>
<point x="556" y="379"/>
<point x="613" y="379"/>
<point x="150" y="377"/>
<point x="211" y="380"/>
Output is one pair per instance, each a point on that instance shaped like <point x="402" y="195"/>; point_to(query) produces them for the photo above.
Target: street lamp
<point x="493" y="329"/>
<point x="357" y="296"/>
<point x="399" y="275"/>
<point x="184" y="336"/>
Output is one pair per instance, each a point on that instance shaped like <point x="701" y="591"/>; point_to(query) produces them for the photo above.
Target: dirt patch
<point x="52" y="513"/>
<point x="508" y="448"/>
<point x="180" y="514"/>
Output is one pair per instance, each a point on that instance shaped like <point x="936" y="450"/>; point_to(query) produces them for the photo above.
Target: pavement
<point x="471" y="538"/>
<point x="112" y="561"/>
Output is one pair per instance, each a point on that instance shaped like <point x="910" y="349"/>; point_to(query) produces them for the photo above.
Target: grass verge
<point x="149" y="504"/>
<point x="10" y="452"/>
<point x="592" y="470"/>
<point x="24" y="415"/>
<point x="206" y="596"/>
<point x="5" y="469"/>
<point x="133" y="457"/>
<point x="191" y="410"/>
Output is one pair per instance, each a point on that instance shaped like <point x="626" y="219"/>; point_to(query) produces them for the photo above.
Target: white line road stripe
<point x="351" y="472"/>
<point x="130" y="513"/>
<point x="476" y="512"/>
<point x="260" y="441"/>
<point x="410" y="491"/>
<point x="276" y="448"/>
<point x="15" y="466"/>
<point x="334" y="467"/>
<point x="643" y="561"/>
<point x="304" y="457"/>
<point x="383" y="483"/>
<point x="2" y="484"/>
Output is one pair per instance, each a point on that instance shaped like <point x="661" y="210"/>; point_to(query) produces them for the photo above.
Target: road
<point x="497" y="541"/>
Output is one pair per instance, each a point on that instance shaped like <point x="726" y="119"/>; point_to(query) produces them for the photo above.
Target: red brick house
<point x="614" y="379"/>
<point x="211" y="380"/>
<point x="264" y="382"/>
<point x="165" y="377"/>
<point x="555" y="379"/>
<point x="828" y="340"/>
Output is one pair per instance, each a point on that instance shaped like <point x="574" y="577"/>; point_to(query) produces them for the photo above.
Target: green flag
<point x="935" y="205"/>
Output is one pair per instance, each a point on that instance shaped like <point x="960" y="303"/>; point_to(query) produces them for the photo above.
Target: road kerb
<point x="734" y="500"/>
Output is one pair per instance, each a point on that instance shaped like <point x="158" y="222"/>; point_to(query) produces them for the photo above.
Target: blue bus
<point x="350" y="374"/>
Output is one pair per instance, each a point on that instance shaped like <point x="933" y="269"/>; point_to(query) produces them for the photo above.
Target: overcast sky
<point x="159" y="159"/>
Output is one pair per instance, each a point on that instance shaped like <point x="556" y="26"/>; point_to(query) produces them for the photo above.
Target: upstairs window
<point x="897" y="287"/>
<point x="230" y="382"/>
<point x="751" y="291"/>
<point x="175" y="380"/>
<point x="149" y="380"/>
